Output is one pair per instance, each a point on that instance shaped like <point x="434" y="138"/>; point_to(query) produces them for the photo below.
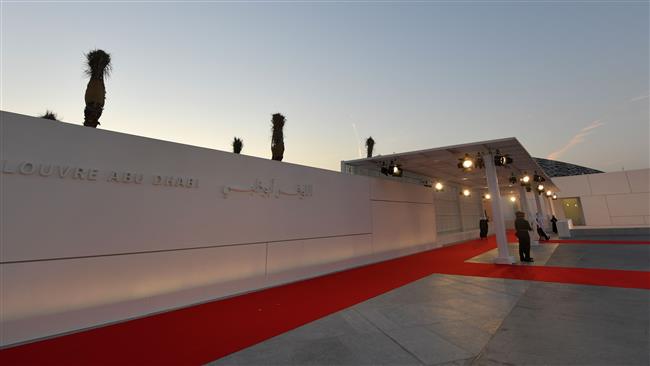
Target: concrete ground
<point x="461" y="320"/>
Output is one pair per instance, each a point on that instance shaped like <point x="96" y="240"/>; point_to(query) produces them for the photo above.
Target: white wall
<point x="84" y="250"/>
<point x="618" y="199"/>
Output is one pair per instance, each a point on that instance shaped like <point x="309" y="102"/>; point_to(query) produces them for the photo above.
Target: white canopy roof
<point x="442" y="163"/>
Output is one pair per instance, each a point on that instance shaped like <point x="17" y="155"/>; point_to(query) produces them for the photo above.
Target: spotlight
<point x="438" y="186"/>
<point x="513" y="199"/>
<point x="395" y="170"/>
<point x="384" y="170"/>
<point x="502" y="160"/>
<point x="512" y="179"/>
<point x="465" y="163"/>
<point x="554" y="196"/>
<point x="540" y="188"/>
<point x="525" y="179"/>
<point x="466" y="192"/>
<point x="549" y="193"/>
<point x="479" y="161"/>
<point x="487" y="196"/>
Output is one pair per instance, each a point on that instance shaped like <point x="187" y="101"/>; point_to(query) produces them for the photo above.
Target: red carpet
<point x="206" y="332"/>
<point x="582" y="241"/>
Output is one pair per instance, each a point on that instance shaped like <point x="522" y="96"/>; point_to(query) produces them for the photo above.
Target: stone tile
<point x="614" y="256"/>
<point x="325" y="351"/>
<point x="427" y="346"/>
<point x="342" y="323"/>
<point x="463" y="334"/>
<point x="533" y="335"/>
<point x="378" y="349"/>
<point x="377" y="316"/>
<point x="465" y="362"/>
<point x="279" y="351"/>
<point x="421" y="314"/>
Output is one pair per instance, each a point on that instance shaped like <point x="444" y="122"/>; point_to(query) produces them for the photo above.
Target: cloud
<point x="575" y="140"/>
<point x="640" y="97"/>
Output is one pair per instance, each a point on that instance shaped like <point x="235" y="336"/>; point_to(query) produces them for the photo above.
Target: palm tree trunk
<point x="95" y="97"/>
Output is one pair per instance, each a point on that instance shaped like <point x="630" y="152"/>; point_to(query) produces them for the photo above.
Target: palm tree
<point x="277" y="139"/>
<point x="98" y="66"/>
<point x="49" y="115"/>
<point x="237" y="145"/>
<point x="370" y="144"/>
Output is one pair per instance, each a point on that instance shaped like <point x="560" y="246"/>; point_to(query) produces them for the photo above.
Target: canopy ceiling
<point x="441" y="163"/>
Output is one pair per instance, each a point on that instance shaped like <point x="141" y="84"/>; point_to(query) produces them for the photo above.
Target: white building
<point x="97" y="226"/>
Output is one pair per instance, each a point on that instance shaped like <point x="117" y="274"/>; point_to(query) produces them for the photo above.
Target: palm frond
<point x="98" y="64"/>
<point x="49" y="115"/>
<point x="237" y="145"/>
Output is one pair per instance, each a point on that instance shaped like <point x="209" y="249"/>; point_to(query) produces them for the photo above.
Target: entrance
<point x="573" y="210"/>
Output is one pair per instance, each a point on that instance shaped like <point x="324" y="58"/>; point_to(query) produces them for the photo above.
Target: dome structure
<point x="554" y="168"/>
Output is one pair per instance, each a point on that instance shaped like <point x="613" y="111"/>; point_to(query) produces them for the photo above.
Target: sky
<point x="570" y="80"/>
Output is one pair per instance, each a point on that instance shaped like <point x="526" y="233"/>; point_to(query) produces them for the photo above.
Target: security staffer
<point x="523" y="227"/>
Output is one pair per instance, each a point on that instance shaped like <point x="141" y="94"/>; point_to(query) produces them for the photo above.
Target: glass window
<point x="573" y="210"/>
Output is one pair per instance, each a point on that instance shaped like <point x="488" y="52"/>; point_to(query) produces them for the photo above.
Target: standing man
<point x="483" y="227"/>
<point x="523" y="227"/>
<point x="554" y="223"/>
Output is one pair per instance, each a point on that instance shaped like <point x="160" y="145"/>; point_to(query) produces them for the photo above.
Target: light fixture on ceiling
<point x="384" y="169"/>
<point x="487" y="196"/>
<point x="396" y="171"/>
<point x="549" y="193"/>
<point x="438" y="186"/>
<point x="502" y="160"/>
<point x="554" y="197"/>
<point x="540" y="188"/>
<point x="466" y="192"/>
<point x="512" y="179"/>
<point x="538" y="178"/>
<point x="513" y="199"/>
<point x="525" y="182"/>
<point x="479" y="161"/>
<point x="466" y="163"/>
<point x="392" y="169"/>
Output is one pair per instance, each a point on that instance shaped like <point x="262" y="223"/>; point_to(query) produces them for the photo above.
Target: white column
<point x="537" y="202"/>
<point x="541" y="210"/>
<point x="504" y="256"/>
<point x="550" y="203"/>
<point x="530" y="216"/>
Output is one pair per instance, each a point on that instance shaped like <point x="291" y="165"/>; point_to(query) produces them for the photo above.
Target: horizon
<point x="565" y="79"/>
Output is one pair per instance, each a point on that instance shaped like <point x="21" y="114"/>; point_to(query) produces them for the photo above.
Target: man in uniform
<point x="522" y="226"/>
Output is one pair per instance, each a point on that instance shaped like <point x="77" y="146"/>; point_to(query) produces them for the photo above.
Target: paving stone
<point x="427" y="346"/>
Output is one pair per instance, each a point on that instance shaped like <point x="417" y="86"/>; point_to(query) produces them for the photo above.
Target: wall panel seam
<point x="181" y="249"/>
<point x="419" y="203"/>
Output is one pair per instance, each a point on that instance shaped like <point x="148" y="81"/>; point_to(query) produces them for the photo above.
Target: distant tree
<point x="370" y="144"/>
<point x="277" y="139"/>
<point x="98" y="66"/>
<point x="237" y="145"/>
<point x="49" y="115"/>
